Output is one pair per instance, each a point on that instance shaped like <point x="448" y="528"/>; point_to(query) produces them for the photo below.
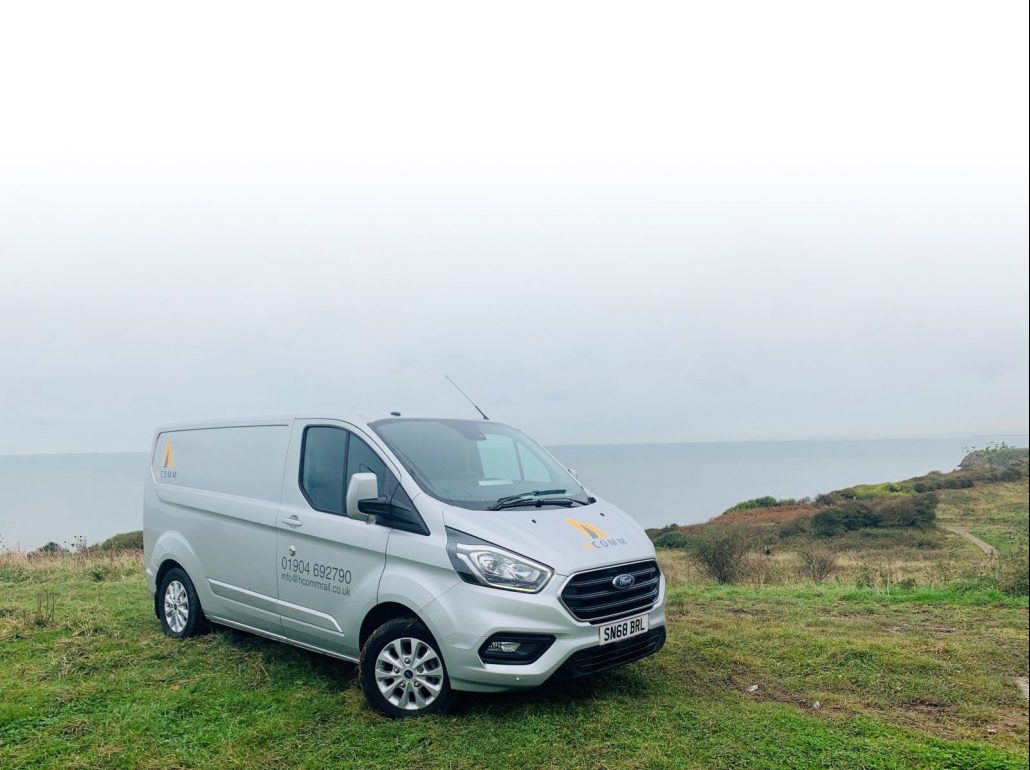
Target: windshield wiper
<point x="566" y="502"/>
<point x="536" y="497"/>
<point x="525" y="495"/>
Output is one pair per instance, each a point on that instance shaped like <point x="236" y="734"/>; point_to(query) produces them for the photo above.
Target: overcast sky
<point x="608" y="222"/>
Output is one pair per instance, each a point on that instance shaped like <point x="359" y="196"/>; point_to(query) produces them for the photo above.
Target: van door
<point x="328" y="565"/>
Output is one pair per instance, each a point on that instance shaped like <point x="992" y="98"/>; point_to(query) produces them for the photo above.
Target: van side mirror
<point x="395" y="511"/>
<point x="362" y="486"/>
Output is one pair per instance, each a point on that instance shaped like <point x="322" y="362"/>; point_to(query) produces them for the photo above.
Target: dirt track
<point x="987" y="548"/>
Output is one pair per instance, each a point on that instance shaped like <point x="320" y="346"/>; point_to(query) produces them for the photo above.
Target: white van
<point x="438" y="554"/>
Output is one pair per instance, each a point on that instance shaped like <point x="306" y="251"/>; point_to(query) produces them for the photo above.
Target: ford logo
<point x="623" y="581"/>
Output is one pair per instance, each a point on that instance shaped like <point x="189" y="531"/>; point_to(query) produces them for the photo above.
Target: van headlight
<point x="477" y="561"/>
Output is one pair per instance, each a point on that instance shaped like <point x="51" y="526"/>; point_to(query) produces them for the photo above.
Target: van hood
<point x="566" y="539"/>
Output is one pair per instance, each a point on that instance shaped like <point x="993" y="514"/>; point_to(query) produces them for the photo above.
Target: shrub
<point x="50" y="548"/>
<point x="844" y="518"/>
<point x="957" y="480"/>
<point x="759" y="570"/>
<point x="759" y="502"/>
<point x="721" y="550"/>
<point x="919" y="510"/>
<point x="911" y="511"/>
<point x="672" y="540"/>
<point x="817" y="563"/>
<point x="794" y="527"/>
<point x="126" y="541"/>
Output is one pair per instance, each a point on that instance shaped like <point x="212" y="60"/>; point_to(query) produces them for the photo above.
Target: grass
<point x="906" y="658"/>
<point x="903" y="679"/>
<point x="996" y="513"/>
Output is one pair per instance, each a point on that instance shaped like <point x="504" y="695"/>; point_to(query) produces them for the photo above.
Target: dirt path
<point x="987" y="548"/>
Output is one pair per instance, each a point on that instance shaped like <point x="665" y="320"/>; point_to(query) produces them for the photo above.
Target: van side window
<point x="329" y="457"/>
<point x="323" y="460"/>
<point x="362" y="459"/>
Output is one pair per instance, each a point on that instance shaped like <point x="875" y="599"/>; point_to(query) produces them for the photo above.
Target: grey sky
<point x="671" y="223"/>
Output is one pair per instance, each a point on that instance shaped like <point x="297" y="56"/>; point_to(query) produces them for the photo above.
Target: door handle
<point x="293" y="520"/>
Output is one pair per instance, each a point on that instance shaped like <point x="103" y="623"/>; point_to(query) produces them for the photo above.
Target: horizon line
<point x="938" y="437"/>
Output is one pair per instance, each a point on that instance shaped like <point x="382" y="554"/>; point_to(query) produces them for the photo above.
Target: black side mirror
<point x="389" y="514"/>
<point x="375" y="506"/>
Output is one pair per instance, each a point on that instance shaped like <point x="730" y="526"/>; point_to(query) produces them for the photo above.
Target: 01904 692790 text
<point x="316" y="570"/>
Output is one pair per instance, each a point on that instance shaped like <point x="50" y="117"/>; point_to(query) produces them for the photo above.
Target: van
<point x="440" y="555"/>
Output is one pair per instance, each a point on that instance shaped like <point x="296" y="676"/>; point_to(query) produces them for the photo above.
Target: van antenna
<point x="466" y="395"/>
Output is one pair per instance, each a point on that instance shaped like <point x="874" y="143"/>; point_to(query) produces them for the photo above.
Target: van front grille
<point x="594" y="596"/>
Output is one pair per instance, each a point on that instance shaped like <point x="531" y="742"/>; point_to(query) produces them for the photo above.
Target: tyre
<point x="179" y="607"/>
<point x="402" y="672"/>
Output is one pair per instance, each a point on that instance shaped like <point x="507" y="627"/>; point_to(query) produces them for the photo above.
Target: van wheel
<point x="402" y="672"/>
<point x="180" y="611"/>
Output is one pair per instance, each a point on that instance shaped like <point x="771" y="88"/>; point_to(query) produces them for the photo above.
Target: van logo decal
<point x="598" y="537"/>
<point x="169" y="461"/>
<point x="625" y="580"/>
<point x="587" y="529"/>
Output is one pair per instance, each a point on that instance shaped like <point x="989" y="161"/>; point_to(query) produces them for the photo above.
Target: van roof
<point x="268" y="419"/>
<point x="282" y="419"/>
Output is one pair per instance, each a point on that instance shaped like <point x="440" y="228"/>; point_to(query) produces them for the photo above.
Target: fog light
<point x="506" y="648"/>
<point x="514" y="649"/>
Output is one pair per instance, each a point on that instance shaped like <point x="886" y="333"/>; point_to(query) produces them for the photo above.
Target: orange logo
<point x="587" y="529"/>
<point x="169" y="461"/>
<point x="598" y="537"/>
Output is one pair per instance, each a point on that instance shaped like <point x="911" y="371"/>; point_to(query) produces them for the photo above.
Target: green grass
<point x="875" y="491"/>
<point x="904" y="679"/>
<point x="996" y="513"/>
<point x="905" y="658"/>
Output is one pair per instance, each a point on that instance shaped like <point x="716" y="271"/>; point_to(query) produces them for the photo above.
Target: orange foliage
<point x="775" y="515"/>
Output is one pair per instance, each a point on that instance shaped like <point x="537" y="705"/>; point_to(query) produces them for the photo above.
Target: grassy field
<point x="995" y="513"/>
<point x="849" y="674"/>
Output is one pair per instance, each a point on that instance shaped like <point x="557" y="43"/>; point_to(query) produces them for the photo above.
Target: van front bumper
<point x="466" y="616"/>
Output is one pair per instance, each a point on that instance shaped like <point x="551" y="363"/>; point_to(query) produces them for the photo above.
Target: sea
<point x="67" y="497"/>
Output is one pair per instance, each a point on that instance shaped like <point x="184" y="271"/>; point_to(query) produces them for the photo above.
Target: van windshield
<point x="477" y="464"/>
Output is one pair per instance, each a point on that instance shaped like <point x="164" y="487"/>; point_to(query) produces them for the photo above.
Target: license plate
<point x="618" y="630"/>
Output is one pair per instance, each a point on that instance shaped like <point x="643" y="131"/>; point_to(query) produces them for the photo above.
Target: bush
<point x="844" y="518"/>
<point x="901" y="511"/>
<point x="50" y="548"/>
<point x="911" y="511"/>
<point x="655" y="532"/>
<point x="672" y="540"/>
<point x="817" y="563"/>
<point x="955" y="481"/>
<point x="794" y="527"/>
<point x="127" y="541"/>
<point x="721" y="550"/>
<point x="759" y="502"/>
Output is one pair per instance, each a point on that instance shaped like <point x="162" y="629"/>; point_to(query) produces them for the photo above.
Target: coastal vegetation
<point x="884" y="534"/>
